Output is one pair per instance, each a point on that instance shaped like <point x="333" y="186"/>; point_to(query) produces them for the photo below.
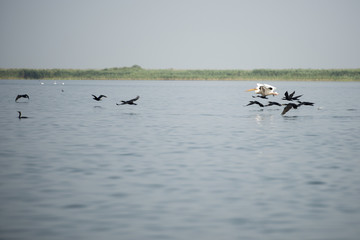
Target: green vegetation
<point x="137" y="73"/>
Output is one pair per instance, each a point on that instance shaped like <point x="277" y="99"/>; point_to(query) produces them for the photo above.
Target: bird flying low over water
<point x="305" y="103"/>
<point x="290" y="97"/>
<point x="289" y="106"/>
<point x="21" y="96"/>
<point x="130" y="102"/>
<point x="255" y="102"/>
<point x="273" y="103"/>
<point x="264" y="90"/>
<point x="21" y="117"/>
<point x="99" y="97"/>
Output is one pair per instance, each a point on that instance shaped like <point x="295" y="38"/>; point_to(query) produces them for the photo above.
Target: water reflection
<point x="264" y="118"/>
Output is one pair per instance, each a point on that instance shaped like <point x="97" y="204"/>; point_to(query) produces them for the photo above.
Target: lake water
<point x="190" y="161"/>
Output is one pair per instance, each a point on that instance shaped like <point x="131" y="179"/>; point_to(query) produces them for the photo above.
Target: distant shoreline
<point x="137" y="73"/>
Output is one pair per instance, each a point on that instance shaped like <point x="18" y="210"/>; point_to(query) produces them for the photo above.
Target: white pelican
<point x="264" y="90"/>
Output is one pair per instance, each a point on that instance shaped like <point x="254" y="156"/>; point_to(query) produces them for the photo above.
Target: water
<point x="188" y="162"/>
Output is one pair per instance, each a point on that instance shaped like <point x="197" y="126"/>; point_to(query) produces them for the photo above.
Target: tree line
<point x="137" y="73"/>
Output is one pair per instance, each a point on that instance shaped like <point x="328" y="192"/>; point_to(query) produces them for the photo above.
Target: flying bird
<point x="264" y="90"/>
<point x="21" y="96"/>
<point x="255" y="102"/>
<point x="21" y="117"/>
<point x="273" y="103"/>
<point x="290" y="97"/>
<point x="305" y="103"/>
<point x="130" y="102"/>
<point x="289" y="106"/>
<point x="98" y="98"/>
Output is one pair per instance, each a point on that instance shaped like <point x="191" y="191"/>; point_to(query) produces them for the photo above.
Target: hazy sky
<point x="180" y="34"/>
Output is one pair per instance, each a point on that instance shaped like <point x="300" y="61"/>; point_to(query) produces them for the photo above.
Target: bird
<point x="21" y="117"/>
<point x="99" y="97"/>
<point x="305" y="103"/>
<point x="290" y="97"/>
<point x="130" y="102"/>
<point x="273" y="103"/>
<point x="264" y="90"/>
<point x="255" y="102"/>
<point x="21" y="96"/>
<point x="289" y="106"/>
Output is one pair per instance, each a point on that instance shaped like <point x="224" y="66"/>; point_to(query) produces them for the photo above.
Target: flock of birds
<point x="129" y="102"/>
<point x="264" y="90"/>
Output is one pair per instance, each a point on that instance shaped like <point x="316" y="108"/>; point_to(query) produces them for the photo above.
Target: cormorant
<point x="130" y="102"/>
<point x="288" y="106"/>
<point x="98" y="98"/>
<point x="255" y="102"/>
<point x="273" y="103"/>
<point x="21" y="96"/>
<point x="21" y="117"/>
<point x="290" y="97"/>
<point x="305" y="103"/>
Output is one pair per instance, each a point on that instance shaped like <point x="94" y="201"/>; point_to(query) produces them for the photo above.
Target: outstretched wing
<point x="286" y="109"/>
<point x="269" y="87"/>
<point x="250" y="103"/>
<point x="255" y="102"/>
<point x="291" y="95"/>
<point x="134" y="99"/>
<point x="296" y="98"/>
<point x="131" y="101"/>
<point x="273" y="103"/>
<point x="17" y="97"/>
<point x="260" y="104"/>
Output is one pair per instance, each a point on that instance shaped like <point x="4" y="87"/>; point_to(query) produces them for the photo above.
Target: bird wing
<point x="286" y="94"/>
<point x="26" y="96"/>
<point x="269" y="86"/>
<point x="102" y="96"/>
<point x="263" y="90"/>
<point x="17" y="97"/>
<point x="291" y="95"/>
<point x="296" y="98"/>
<point x="258" y="103"/>
<point x="134" y="99"/>
<point x="93" y="95"/>
<point x="274" y="103"/>
<point x="286" y="109"/>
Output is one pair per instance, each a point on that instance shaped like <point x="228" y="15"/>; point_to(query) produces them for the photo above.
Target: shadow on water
<point x="290" y="117"/>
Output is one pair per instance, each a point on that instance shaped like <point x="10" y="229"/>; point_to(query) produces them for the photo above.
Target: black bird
<point x="99" y="97"/>
<point x="305" y="103"/>
<point x="21" y="117"/>
<point x="130" y="102"/>
<point x="273" y="103"/>
<point x="265" y="97"/>
<point x="21" y="96"/>
<point x="255" y="102"/>
<point x="291" y="96"/>
<point x="288" y="107"/>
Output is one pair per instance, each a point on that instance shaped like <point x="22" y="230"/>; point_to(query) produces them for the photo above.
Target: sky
<point x="180" y="34"/>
